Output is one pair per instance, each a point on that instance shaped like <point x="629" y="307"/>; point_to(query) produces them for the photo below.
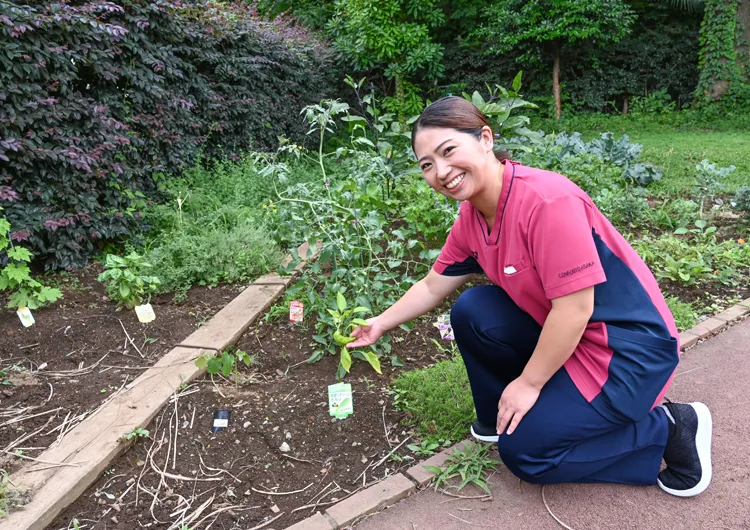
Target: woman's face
<point x="454" y="163"/>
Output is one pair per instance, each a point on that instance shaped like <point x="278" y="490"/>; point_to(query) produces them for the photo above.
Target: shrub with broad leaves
<point x="98" y="98"/>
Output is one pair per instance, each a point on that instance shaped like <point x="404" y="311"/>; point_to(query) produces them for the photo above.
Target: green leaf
<point x="17" y="272"/>
<point x="214" y="365"/>
<point x="360" y="309"/>
<point x="4" y="226"/>
<point x="395" y="361"/>
<point x="201" y="362"/>
<point x="315" y="356"/>
<point x="49" y="294"/>
<point x="244" y="357"/>
<point x="360" y="322"/>
<point x="374" y="361"/>
<point x="227" y="364"/>
<point x="340" y="301"/>
<point x="334" y="314"/>
<point x="517" y="82"/>
<point x="478" y="100"/>
<point x="346" y="359"/>
<point x="19" y="254"/>
<point x="125" y="291"/>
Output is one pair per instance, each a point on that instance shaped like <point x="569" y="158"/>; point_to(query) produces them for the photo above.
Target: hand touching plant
<point x="344" y="321"/>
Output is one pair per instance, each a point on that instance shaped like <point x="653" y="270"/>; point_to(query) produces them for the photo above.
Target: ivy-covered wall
<point x="719" y="69"/>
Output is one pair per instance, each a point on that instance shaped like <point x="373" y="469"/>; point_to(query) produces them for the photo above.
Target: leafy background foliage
<point x="98" y="98"/>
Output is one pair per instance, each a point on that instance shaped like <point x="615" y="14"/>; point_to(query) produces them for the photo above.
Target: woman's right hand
<point x="366" y="335"/>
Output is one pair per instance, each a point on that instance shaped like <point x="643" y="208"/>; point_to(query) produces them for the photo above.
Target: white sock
<point x="669" y="414"/>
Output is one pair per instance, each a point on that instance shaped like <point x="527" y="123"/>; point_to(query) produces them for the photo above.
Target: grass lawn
<point x="676" y="149"/>
<point x="677" y="152"/>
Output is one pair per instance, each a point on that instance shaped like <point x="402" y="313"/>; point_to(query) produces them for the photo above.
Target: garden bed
<point x="279" y="399"/>
<point x="79" y="353"/>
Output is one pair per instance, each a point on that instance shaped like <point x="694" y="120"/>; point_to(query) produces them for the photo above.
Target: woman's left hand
<point x="517" y="399"/>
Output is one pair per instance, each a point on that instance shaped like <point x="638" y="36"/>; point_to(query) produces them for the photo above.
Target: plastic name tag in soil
<point x="340" y="403"/>
<point x="27" y="319"/>
<point x="145" y="313"/>
<point x="296" y="311"/>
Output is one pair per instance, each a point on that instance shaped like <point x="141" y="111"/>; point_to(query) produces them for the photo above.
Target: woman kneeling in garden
<point x="571" y="351"/>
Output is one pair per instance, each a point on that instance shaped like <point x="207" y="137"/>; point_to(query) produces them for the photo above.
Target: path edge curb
<point x="713" y="325"/>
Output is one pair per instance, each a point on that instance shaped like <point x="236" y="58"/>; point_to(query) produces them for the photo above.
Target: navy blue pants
<point x="562" y="438"/>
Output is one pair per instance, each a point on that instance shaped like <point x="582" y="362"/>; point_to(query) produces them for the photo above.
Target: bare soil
<point x="245" y="470"/>
<point x="78" y="353"/>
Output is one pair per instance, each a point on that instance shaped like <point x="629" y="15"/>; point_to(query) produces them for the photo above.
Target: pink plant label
<point x="296" y="310"/>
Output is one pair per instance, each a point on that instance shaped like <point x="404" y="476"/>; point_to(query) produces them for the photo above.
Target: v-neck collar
<point x="509" y="173"/>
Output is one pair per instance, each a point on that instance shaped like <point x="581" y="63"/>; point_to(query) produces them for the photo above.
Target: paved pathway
<point x="716" y="372"/>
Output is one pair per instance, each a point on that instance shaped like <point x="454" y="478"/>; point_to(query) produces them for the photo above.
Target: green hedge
<point x="98" y="98"/>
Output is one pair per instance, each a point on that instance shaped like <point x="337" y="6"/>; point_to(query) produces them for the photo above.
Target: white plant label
<point x="145" y="313"/>
<point x="27" y="319"/>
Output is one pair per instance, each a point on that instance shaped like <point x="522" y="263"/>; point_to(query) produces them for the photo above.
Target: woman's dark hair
<point x="453" y="112"/>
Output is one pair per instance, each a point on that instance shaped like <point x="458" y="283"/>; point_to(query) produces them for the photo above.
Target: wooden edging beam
<point x="92" y="445"/>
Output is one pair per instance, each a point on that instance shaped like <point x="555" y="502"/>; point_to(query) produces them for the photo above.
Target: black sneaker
<point x="688" y="451"/>
<point x="483" y="432"/>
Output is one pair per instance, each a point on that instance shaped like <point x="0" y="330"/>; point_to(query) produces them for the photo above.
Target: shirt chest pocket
<point x="520" y="280"/>
<point x="515" y="267"/>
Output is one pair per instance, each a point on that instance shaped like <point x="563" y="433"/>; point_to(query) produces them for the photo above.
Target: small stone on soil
<point x="246" y="425"/>
<point x="275" y="509"/>
<point x="288" y="436"/>
<point x="285" y="448"/>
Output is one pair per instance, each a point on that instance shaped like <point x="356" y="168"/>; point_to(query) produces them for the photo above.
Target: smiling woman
<point x="571" y="351"/>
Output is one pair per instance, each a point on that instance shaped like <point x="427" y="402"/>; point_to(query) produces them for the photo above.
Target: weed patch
<point x="437" y="401"/>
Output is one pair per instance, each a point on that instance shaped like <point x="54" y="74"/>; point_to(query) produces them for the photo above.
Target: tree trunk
<point x="625" y="105"/>
<point x="556" y="78"/>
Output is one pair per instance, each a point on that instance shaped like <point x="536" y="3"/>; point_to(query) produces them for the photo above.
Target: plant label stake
<point x="145" y="313"/>
<point x="340" y="404"/>
<point x="444" y="325"/>
<point x="221" y="420"/>
<point x="27" y="319"/>
<point x="296" y="310"/>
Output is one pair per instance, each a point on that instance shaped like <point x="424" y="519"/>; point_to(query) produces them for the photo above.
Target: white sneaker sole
<point x="484" y="438"/>
<point x="703" y="446"/>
